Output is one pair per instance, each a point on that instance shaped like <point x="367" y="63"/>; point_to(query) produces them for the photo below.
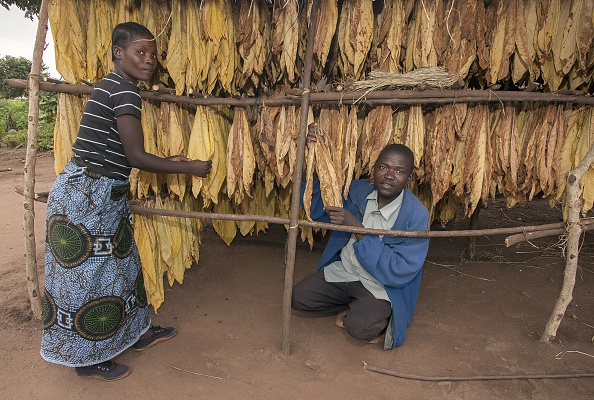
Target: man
<point x="371" y="281"/>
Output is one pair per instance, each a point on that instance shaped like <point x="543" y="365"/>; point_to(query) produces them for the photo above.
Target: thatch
<point x="425" y="78"/>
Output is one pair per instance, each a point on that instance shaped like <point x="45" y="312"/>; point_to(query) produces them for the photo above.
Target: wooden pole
<point x="572" y="249"/>
<point x="527" y="236"/>
<point x="523" y="232"/>
<point x="30" y="159"/>
<point x="379" y="97"/>
<point x="474" y="218"/>
<point x="295" y="203"/>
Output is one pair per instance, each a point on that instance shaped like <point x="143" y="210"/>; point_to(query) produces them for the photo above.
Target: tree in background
<point x="31" y="7"/>
<point x="14" y="67"/>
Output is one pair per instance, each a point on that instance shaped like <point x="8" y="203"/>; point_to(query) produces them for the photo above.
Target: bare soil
<point x="474" y="318"/>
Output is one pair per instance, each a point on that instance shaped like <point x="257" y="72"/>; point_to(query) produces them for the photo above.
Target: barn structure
<point x="493" y="97"/>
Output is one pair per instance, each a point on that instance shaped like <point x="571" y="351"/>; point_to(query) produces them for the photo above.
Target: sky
<point x="17" y="38"/>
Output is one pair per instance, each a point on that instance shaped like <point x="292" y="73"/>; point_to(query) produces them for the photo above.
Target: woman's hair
<point x="123" y="33"/>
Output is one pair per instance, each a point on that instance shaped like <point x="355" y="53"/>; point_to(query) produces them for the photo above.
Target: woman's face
<point x="137" y="60"/>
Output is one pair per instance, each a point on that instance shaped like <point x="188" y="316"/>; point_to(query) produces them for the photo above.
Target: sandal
<point x="158" y="335"/>
<point x="105" y="371"/>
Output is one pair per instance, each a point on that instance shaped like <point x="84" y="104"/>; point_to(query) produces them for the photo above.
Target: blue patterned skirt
<point x="95" y="304"/>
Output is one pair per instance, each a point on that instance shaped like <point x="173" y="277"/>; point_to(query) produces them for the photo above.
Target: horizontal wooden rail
<point x="351" y="229"/>
<point x="376" y="97"/>
<point x="523" y="233"/>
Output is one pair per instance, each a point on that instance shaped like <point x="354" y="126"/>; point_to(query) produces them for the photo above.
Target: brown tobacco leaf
<point x="330" y="186"/>
<point x="241" y="162"/>
<point x="351" y="140"/>
<point x="585" y="29"/>
<point x="309" y="179"/>
<point x="332" y="121"/>
<point x="415" y="136"/>
<point x="546" y="28"/>
<point x="482" y="49"/>
<point x="285" y="37"/>
<point x="524" y="53"/>
<point x="162" y="130"/>
<point x="478" y="160"/>
<point x="379" y="122"/>
<point x="440" y="151"/>
<point x="502" y="42"/>
<point x="325" y="28"/>
<point x="319" y="159"/>
<point x="458" y="180"/>
<point x="390" y="37"/>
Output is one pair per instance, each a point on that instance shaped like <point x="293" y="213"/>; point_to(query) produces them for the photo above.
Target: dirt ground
<point x="472" y="319"/>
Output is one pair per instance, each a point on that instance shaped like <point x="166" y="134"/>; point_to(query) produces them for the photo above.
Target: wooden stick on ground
<point x="476" y="377"/>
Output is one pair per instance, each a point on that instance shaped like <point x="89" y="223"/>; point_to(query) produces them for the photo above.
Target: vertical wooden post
<point x="572" y="249"/>
<point x="30" y="159"/>
<point x="474" y="218"/>
<point x="295" y="203"/>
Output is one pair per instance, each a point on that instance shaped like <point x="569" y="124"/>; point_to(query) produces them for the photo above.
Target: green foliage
<point x="31" y="7"/>
<point x="14" y="67"/>
<point x="18" y="110"/>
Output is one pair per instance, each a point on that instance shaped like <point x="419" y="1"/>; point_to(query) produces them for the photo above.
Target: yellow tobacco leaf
<point x="201" y="144"/>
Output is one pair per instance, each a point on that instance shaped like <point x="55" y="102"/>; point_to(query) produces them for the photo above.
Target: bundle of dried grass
<point x="426" y="78"/>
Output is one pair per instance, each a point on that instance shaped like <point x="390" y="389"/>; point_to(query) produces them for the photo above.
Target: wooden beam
<point x="378" y="97"/>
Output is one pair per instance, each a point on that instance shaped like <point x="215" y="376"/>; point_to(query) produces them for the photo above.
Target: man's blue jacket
<point x="396" y="262"/>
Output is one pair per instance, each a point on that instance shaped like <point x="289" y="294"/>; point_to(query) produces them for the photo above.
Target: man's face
<point x="391" y="173"/>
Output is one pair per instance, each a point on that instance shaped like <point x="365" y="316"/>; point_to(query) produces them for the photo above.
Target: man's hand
<point x="340" y="216"/>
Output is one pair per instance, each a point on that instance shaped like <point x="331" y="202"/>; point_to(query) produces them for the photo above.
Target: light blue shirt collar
<point x="389" y="208"/>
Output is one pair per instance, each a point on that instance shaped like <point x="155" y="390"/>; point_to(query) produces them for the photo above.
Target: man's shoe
<point x="158" y="335"/>
<point x="105" y="371"/>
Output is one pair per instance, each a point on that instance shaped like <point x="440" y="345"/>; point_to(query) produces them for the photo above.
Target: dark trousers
<point x="367" y="316"/>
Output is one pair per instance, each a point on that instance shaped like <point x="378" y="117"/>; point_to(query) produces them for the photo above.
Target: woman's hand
<point x="200" y="168"/>
<point x="179" y="157"/>
<point x="196" y="167"/>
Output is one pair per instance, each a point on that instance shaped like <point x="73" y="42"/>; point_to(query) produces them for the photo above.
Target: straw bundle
<point x="427" y="78"/>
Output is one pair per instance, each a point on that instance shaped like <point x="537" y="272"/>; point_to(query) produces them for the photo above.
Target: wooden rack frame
<point x="574" y="227"/>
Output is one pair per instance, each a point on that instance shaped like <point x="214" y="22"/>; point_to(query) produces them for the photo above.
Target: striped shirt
<point x="98" y="146"/>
